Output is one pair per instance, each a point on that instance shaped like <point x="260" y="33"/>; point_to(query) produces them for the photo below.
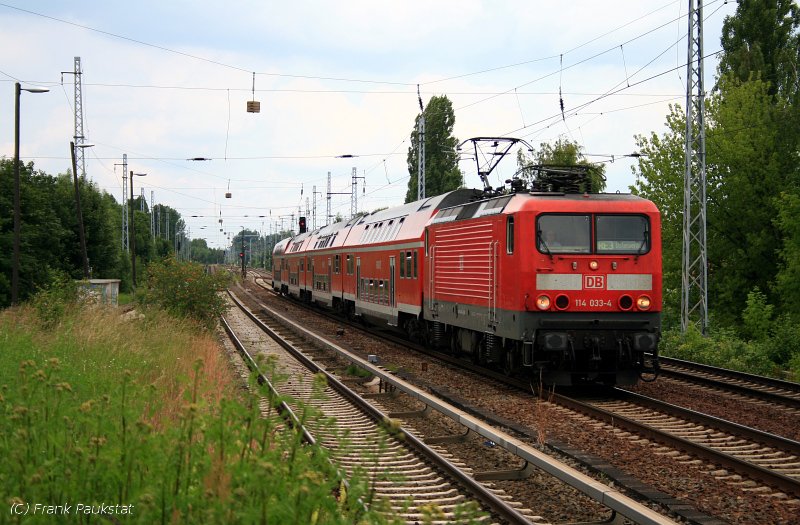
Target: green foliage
<point x="762" y="39"/>
<point x="745" y="171"/>
<point x="564" y="152"/>
<point x="757" y="316"/>
<point x="49" y="231"/>
<point x="722" y="348"/>
<point x="186" y="290"/>
<point x="82" y="422"/>
<point x="357" y="371"/>
<point x="441" y="159"/>
<point x="56" y="298"/>
<point x="787" y="282"/>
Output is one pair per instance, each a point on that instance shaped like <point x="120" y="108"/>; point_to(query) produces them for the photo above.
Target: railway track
<point x="532" y="459"/>
<point x="774" y="391"/>
<point x="769" y="461"/>
<point x="403" y="470"/>
<point x="746" y="458"/>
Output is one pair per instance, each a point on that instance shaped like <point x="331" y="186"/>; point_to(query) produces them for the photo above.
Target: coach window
<point x="629" y="234"/>
<point x="408" y="264"/>
<point x="415" y="264"/>
<point x="302" y="261"/>
<point x="402" y="266"/>
<point x="336" y="264"/>
<point x="563" y="233"/>
<point x="510" y="235"/>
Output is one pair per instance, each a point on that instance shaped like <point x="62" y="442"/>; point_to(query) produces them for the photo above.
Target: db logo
<point x="594" y="281"/>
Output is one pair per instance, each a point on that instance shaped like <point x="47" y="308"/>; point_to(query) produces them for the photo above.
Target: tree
<point x="761" y="41"/>
<point x="659" y="177"/>
<point x="745" y="174"/>
<point x="564" y="153"/>
<point x="441" y="159"/>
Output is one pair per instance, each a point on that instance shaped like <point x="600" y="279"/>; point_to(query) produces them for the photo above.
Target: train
<point x="564" y="288"/>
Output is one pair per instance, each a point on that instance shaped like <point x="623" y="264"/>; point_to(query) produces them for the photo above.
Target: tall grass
<point x="98" y="408"/>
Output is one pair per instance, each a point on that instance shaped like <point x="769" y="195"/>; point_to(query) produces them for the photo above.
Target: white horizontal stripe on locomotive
<point x="575" y="281"/>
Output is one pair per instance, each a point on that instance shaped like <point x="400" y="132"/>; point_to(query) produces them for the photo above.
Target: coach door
<point x="330" y="272"/>
<point x="358" y="278"/>
<point x="392" y="299"/>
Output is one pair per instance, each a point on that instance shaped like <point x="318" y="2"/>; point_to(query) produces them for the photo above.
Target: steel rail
<point x="486" y="496"/>
<point x="767" y="476"/>
<point x="792" y="400"/>
<point x="596" y="490"/>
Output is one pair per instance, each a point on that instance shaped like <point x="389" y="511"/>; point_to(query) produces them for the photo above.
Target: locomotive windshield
<point x="622" y="234"/>
<point x="564" y="234"/>
<point x="613" y="234"/>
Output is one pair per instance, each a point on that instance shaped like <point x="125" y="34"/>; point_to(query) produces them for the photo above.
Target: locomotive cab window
<point x="629" y="234"/>
<point x="564" y="234"/>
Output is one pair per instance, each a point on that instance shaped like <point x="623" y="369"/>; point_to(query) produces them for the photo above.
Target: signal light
<point x="302" y="225"/>
<point x="241" y="254"/>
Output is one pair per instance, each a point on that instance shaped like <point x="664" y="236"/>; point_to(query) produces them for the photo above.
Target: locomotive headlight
<point x="543" y="302"/>
<point x="593" y="265"/>
<point x="643" y="302"/>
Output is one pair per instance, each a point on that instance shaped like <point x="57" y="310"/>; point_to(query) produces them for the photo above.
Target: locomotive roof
<point x="549" y="201"/>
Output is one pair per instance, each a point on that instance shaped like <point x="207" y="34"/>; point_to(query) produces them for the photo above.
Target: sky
<point x="337" y="82"/>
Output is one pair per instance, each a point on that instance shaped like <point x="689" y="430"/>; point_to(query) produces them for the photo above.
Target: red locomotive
<point x="565" y="287"/>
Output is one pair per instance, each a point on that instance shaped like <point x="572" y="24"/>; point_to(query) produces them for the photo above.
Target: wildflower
<point x="40" y="375"/>
<point x="54" y="362"/>
<point x="86" y="406"/>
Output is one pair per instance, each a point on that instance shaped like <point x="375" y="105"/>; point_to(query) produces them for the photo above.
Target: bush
<point x="55" y="299"/>
<point x="186" y="290"/>
<point x="722" y="348"/>
<point x="757" y="316"/>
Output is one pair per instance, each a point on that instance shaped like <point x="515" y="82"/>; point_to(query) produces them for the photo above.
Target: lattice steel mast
<point x="79" y="137"/>
<point x="125" y="241"/>
<point x="694" y="297"/>
<point x="420" y="149"/>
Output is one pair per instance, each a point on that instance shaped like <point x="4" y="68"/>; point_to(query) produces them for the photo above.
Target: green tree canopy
<point x="761" y="40"/>
<point x="563" y="153"/>
<point x="745" y="173"/>
<point x="441" y="158"/>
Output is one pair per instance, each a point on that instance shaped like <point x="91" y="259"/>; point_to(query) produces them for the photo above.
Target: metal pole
<point x="244" y="271"/>
<point x="17" y="213"/>
<point x="132" y="236"/>
<point x="420" y="149"/>
<point x="694" y="297"/>
<point x="81" y="233"/>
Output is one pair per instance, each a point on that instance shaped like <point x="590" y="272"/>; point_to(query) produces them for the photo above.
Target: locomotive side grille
<point x="463" y="264"/>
